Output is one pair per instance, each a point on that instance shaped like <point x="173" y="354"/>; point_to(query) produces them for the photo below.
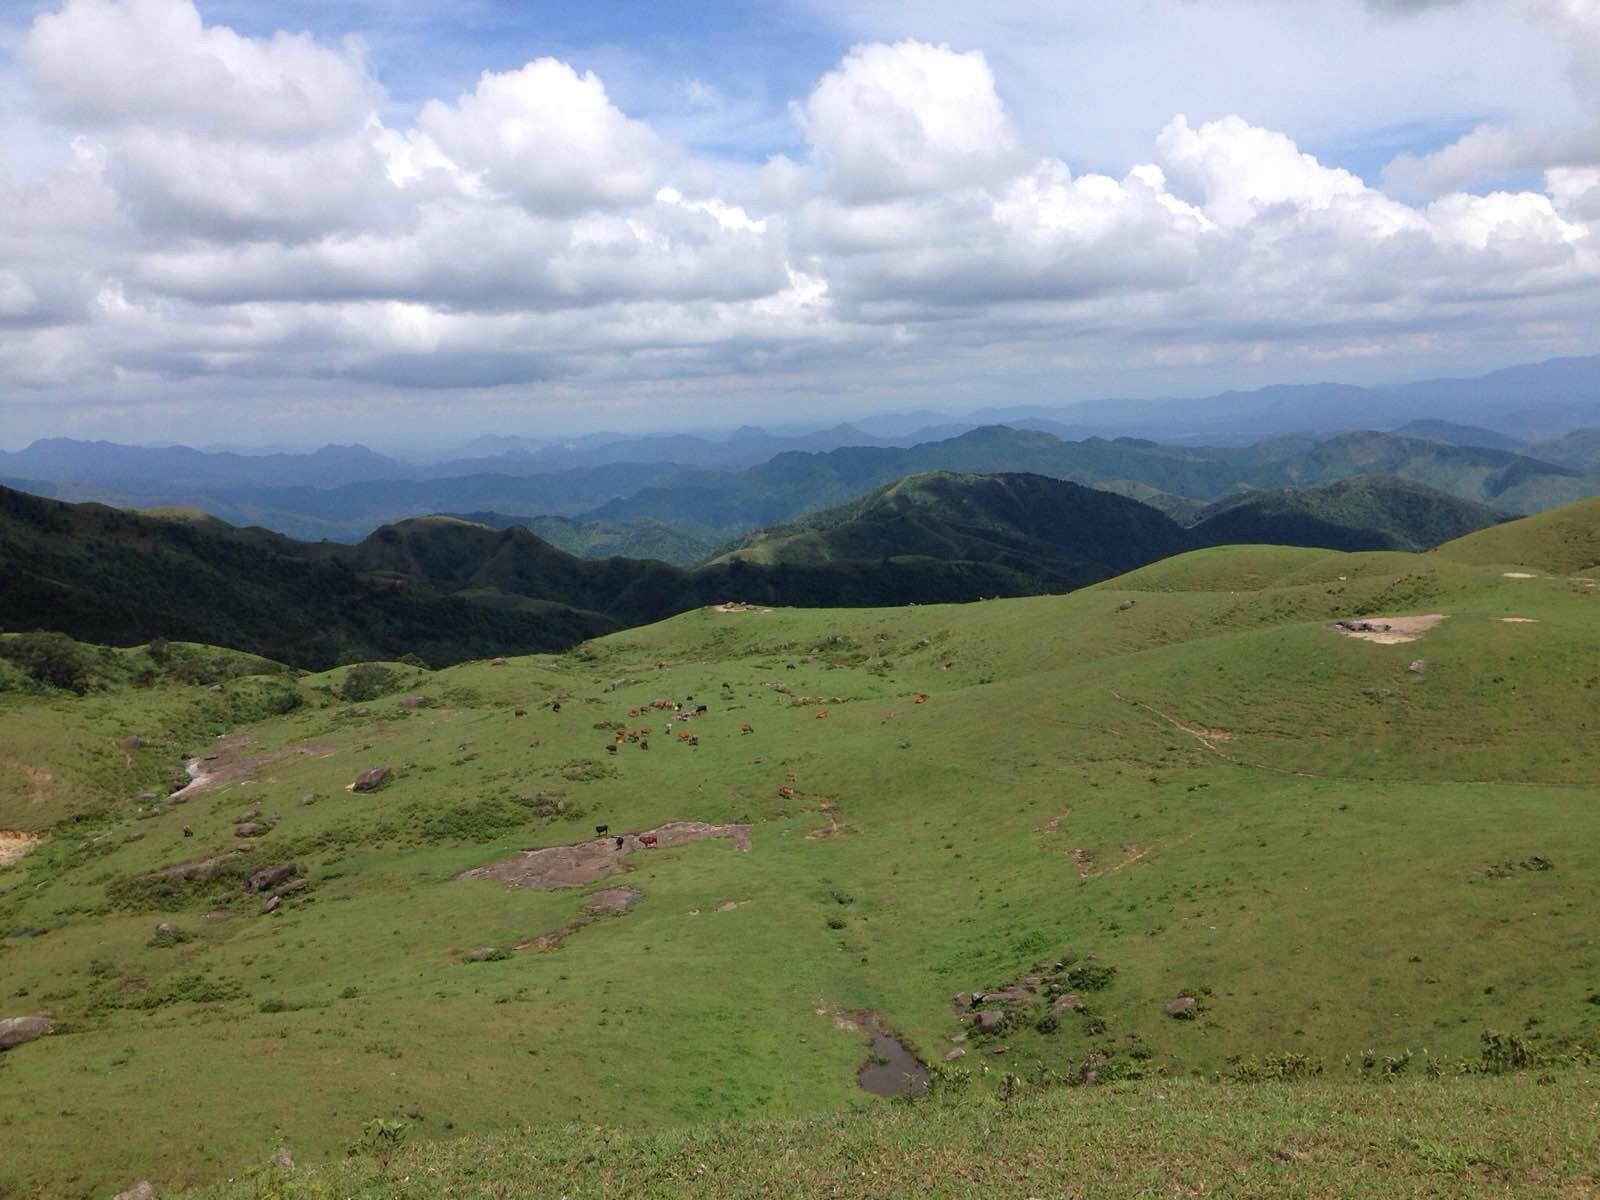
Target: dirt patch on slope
<point x="1084" y="861"/>
<point x="14" y="843"/>
<point x="1518" y="575"/>
<point x="1054" y="823"/>
<point x="226" y="765"/>
<point x="554" y="867"/>
<point x="37" y="784"/>
<point x="1389" y="631"/>
<point x="1519" y="620"/>
<point x="612" y="901"/>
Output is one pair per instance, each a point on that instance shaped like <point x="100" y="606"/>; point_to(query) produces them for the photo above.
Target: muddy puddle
<point x="892" y="1070"/>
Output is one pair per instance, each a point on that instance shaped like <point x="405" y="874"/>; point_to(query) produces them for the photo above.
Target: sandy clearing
<point x="1517" y="575"/>
<point x="14" y="843"/>
<point x="1388" y="631"/>
<point x="553" y="867"/>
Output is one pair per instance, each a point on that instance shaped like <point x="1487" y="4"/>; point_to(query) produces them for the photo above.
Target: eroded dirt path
<point x="228" y="763"/>
<point x="554" y="867"/>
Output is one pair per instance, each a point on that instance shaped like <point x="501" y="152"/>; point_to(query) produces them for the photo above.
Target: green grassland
<point x="1178" y="782"/>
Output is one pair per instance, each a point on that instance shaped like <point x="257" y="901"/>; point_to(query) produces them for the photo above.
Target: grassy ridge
<point x="1496" y="1137"/>
<point x="1180" y="781"/>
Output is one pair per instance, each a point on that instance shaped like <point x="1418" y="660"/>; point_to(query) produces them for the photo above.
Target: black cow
<point x="601" y="830"/>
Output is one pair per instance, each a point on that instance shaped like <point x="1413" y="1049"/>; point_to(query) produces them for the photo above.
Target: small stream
<point x="894" y="1070"/>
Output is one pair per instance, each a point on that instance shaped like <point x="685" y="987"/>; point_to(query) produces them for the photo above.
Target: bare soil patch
<point x="1519" y="620"/>
<point x="227" y="764"/>
<point x="612" y="901"/>
<point x="733" y="606"/>
<point x="553" y="867"/>
<point x="1388" y="631"/>
<point x="37" y="783"/>
<point x="14" y="843"/>
<point x="1054" y="823"/>
<point x="1084" y="861"/>
<point x="1518" y="575"/>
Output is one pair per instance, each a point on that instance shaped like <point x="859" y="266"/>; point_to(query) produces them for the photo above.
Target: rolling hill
<point x="1227" y="898"/>
<point x="1362" y="513"/>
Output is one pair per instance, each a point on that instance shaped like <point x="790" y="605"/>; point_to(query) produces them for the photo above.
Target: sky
<point x="409" y="222"/>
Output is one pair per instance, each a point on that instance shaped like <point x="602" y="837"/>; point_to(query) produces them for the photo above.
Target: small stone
<point x="271" y="905"/>
<point x="293" y="886"/>
<point x="481" y="954"/>
<point x="952" y="1055"/>
<point x="1066" y="1002"/>
<point x="989" y="1020"/>
<point x="167" y="929"/>
<point x="1180" y="1007"/>
<point x="143" y="1190"/>
<point x="1418" y="666"/>
<point x="132" y="742"/>
<point x="249" y="814"/>
<point x="282" y="1158"/>
<point x="251" y="829"/>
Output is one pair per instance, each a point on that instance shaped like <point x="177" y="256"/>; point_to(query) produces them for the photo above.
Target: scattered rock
<point x="414" y="702"/>
<point x="952" y="1055"/>
<point x="143" y="1190"/>
<point x="963" y="999"/>
<point x="271" y="905"/>
<point x="167" y="929"/>
<point x="308" y="799"/>
<point x="1181" y="1007"/>
<point x="270" y="877"/>
<point x="17" y="1030"/>
<point x="1418" y="666"/>
<point x="1066" y="1002"/>
<point x="132" y="742"/>
<point x="282" y="1158"/>
<point x="1125" y="606"/>
<point x="249" y="814"/>
<point x="372" y="780"/>
<point x="251" y="829"/>
<point x="293" y="886"/>
<point x="989" y="1020"/>
<point x="481" y="954"/>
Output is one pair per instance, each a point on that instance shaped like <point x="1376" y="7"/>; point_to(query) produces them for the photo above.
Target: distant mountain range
<point x="448" y="589"/>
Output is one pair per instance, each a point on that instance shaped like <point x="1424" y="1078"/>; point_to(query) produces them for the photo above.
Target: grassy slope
<point x="1325" y="872"/>
<point x="1361" y="513"/>
<point x="1508" y="1136"/>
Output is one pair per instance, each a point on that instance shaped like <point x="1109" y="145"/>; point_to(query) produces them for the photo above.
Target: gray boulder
<point x="1180" y="1008"/>
<point x="371" y="781"/>
<point x="139" y="1191"/>
<point x="17" y="1030"/>
<point x="270" y="877"/>
<point x="989" y="1020"/>
<point x="251" y="829"/>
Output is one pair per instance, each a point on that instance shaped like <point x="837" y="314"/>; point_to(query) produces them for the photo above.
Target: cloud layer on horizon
<point x="235" y="216"/>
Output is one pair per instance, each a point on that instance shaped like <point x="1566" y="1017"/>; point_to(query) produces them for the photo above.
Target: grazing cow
<point x="694" y="740"/>
<point x="601" y="830"/>
<point x="922" y="697"/>
<point x="611" y="748"/>
<point x="644" y="743"/>
<point x="746" y="729"/>
<point x="619" y="843"/>
<point x="822" y="714"/>
<point x="187" y="832"/>
<point x="555" y="706"/>
<point x="520" y="712"/>
<point x="699" y="708"/>
<point x="633" y="714"/>
<point x="786" y="792"/>
<point x="647" y="839"/>
<point x="684" y="735"/>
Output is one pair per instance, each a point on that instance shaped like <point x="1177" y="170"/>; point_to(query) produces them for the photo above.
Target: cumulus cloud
<point x="531" y="236"/>
<point x="549" y="138"/>
<point x="894" y="121"/>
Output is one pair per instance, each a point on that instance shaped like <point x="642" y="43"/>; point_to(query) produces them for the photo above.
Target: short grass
<point x="1203" y="791"/>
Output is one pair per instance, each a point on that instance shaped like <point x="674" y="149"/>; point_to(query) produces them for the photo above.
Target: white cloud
<point x="530" y="236"/>
<point x="899" y="120"/>
<point x="550" y="139"/>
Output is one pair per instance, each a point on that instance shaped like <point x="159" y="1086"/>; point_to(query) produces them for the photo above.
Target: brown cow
<point x="647" y="839"/>
<point x="922" y="697"/>
<point x="822" y="715"/>
<point x="746" y="729"/>
<point x="786" y="792"/>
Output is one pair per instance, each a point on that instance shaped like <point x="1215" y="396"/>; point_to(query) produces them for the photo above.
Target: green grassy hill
<point x="1356" y="856"/>
<point x="1369" y="512"/>
<point x="1057" y="534"/>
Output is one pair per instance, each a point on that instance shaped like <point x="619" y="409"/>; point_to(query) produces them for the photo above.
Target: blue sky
<point x="310" y="217"/>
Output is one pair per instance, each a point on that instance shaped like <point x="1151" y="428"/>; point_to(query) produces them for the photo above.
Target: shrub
<point x="368" y="681"/>
<point x="52" y="659"/>
<point x="1276" y="1068"/>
